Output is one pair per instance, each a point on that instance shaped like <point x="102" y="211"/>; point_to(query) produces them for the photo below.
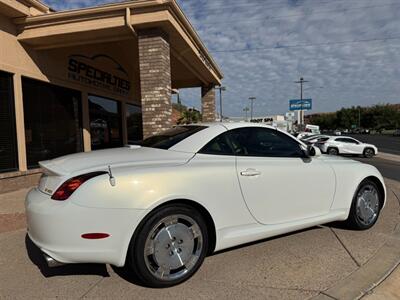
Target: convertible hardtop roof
<point x="196" y="141"/>
<point x="233" y="125"/>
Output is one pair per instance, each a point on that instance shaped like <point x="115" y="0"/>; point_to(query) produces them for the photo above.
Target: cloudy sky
<point x="348" y="50"/>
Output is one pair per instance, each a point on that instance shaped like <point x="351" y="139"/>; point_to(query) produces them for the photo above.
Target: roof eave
<point x="171" y="4"/>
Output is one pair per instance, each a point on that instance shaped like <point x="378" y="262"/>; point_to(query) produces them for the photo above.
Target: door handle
<point x="250" y="172"/>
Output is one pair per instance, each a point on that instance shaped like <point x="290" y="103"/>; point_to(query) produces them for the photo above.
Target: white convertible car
<point x="159" y="208"/>
<point x="345" y="145"/>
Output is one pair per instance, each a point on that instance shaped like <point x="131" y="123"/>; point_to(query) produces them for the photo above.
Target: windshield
<point x="309" y="137"/>
<point x="171" y="137"/>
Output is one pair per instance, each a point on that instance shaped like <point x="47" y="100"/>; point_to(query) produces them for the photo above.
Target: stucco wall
<point x="52" y="65"/>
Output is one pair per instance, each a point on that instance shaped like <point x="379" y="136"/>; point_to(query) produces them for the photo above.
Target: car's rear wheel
<point x="333" y="151"/>
<point x="369" y="152"/>
<point x="366" y="206"/>
<point x="169" y="246"/>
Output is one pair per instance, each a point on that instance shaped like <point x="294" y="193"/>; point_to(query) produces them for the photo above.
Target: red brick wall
<point x="155" y="81"/>
<point x="208" y="103"/>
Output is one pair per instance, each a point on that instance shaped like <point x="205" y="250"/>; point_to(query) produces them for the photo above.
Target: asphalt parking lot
<point x="321" y="262"/>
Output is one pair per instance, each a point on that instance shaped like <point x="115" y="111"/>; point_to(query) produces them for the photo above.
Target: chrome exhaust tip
<point x="51" y="262"/>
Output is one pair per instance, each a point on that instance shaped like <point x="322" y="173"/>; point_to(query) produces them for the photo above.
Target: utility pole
<point x="246" y="109"/>
<point x="359" y="117"/>
<point x="251" y="109"/>
<point x="220" y="88"/>
<point x="301" y="113"/>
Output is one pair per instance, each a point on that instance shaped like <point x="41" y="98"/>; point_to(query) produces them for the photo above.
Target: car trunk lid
<point x="58" y="170"/>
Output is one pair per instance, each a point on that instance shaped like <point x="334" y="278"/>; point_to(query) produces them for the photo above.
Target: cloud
<point x="296" y="38"/>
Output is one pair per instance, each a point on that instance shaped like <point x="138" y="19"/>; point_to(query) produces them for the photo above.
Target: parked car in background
<point x="311" y="140"/>
<point x="396" y="132"/>
<point x="308" y="131"/>
<point x="346" y="145"/>
<point x="337" y="132"/>
<point x="365" y="131"/>
<point x="159" y="208"/>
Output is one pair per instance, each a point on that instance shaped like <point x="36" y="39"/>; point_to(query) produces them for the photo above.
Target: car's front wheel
<point x="369" y="152"/>
<point x="366" y="206"/>
<point x="169" y="246"/>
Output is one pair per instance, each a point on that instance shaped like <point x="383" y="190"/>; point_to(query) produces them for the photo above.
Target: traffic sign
<point x="297" y="104"/>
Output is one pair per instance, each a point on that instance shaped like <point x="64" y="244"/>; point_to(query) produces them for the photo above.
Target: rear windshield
<point x="171" y="137"/>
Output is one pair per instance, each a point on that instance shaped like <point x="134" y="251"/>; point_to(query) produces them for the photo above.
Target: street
<point x="385" y="143"/>
<point x="388" y="168"/>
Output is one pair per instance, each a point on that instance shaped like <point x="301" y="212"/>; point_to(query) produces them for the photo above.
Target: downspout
<point x="128" y="21"/>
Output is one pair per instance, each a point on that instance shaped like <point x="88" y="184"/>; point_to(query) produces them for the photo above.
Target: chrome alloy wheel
<point x="173" y="247"/>
<point x="367" y="205"/>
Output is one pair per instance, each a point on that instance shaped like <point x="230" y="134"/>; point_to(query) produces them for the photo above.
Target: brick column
<point x="208" y="103"/>
<point x="155" y="81"/>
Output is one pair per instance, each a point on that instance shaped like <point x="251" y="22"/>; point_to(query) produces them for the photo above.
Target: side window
<point x="218" y="146"/>
<point x="347" y="141"/>
<point x="256" y="141"/>
<point x="351" y="141"/>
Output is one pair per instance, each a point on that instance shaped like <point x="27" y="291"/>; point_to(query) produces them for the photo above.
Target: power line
<point x="279" y="47"/>
<point x="209" y="9"/>
<point x="254" y="20"/>
<point x="216" y="11"/>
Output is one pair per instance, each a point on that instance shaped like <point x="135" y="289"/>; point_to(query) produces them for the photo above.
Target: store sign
<point x="100" y="71"/>
<point x="304" y="104"/>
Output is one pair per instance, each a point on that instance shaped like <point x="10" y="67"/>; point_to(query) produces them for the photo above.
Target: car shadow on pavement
<point x="36" y="256"/>
<point x="339" y="225"/>
<point x="318" y="227"/>
<point x="125" y="274"/>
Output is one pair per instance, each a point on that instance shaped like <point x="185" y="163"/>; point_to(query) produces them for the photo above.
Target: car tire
<point x="333" y="151"/>
<point x="168" y="247"/>
<point x="368" y="152"/>
<point x="366" y="206"/>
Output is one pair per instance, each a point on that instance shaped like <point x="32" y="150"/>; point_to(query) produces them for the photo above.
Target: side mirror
<point x="313" y="151"/>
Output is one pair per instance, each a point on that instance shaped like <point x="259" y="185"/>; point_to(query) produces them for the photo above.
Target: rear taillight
<point x="71" y="185"/>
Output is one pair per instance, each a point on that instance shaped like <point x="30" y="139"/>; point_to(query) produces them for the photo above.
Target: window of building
<point x="105" y="122"/>
<point x="8" y="140"/>
<point x="134" y="123"/>
<point x="53" y="121"/>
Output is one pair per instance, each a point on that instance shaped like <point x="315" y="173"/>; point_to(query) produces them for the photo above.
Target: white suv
<point x="346" y="145"/>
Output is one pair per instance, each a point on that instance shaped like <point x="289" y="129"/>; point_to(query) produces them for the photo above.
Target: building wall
<point x="109" y="70"/>
<point x="119" y="59"/>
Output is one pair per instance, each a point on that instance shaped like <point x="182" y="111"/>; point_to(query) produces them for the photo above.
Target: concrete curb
<point x="388" y="156"/>
<point x="368" y="276"/>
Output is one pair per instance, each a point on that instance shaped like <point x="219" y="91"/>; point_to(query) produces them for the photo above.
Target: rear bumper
<point x="56" y="227"/>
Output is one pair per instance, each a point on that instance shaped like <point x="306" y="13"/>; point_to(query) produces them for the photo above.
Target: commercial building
<point x="93" y="78"/>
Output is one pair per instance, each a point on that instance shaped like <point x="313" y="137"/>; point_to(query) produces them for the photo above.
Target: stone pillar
<point x="155" y="81"/>
<point x="87" y="141"/>
<point x="208" y="103"/>
<point x="20" y="124"/>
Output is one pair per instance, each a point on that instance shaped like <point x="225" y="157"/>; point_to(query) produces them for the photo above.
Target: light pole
<point x="301" y="116"/>
<point x="246" y="109"/>
<point x="220" y="88"/>
<point x="251" y="107"/>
